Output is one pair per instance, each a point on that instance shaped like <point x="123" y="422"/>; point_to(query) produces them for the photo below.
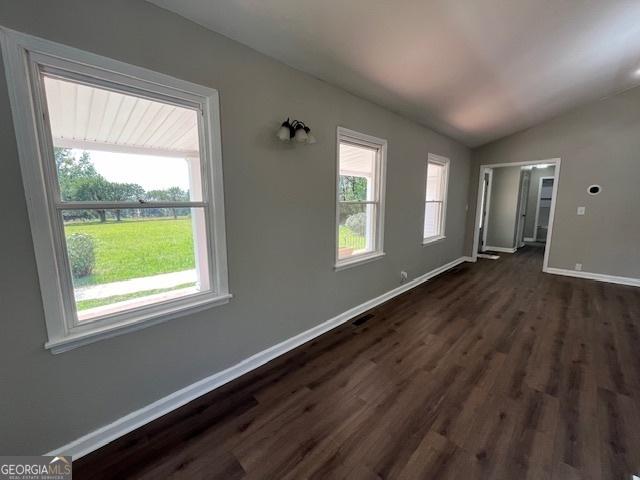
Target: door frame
<point x="535" y="225"/>
<point x="487" y="205"/>
<point x="523" y="204"/>
<point x="554" y="196"/>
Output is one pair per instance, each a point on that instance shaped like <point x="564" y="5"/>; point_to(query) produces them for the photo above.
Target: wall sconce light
<point x="295" y="130"/>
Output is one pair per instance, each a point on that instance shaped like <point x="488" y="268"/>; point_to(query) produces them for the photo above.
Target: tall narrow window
<point x="360" y="203"/>
<point x="125" y="187"/>
<point x="435" y="210"/>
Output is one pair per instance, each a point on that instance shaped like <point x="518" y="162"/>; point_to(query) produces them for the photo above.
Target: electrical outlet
<point x="403" y="276"/>
<point x="578" y="267"/>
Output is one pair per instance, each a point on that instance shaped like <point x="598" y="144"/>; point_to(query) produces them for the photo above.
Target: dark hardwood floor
<point x="492" y="370"/>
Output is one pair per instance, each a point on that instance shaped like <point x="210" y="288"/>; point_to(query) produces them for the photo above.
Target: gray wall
<point x="598" y="143"/>
<point x="282" y="280"/>
<point x="532" y="198"/>
<point x="503" y="209"/>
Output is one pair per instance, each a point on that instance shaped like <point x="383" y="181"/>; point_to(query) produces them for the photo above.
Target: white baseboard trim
<point x="600" y="277"/>
<point x="529" y="239"/>
<point x="100" y="437"/>
<point x="500" y="249"/>
<point x="469" y="259"/>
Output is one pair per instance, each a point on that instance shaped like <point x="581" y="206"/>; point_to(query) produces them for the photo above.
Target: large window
<point x="360" y="202"/>
<point x="435" y="209"/>
<point x="123" y="171"/>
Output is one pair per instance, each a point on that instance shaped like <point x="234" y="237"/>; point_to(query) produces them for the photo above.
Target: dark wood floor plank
<point x="491" y="370"/>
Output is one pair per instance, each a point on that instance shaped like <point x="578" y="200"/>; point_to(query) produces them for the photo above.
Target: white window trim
<point x="357" y="138"/>
<point x="19" y="51"/>
<point x="444" y="161"/>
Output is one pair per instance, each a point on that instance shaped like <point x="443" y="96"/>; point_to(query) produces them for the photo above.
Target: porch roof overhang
<point x="91" y="118"/>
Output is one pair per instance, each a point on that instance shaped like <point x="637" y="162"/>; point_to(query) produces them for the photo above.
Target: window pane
<point x="356" y="229"/>
<point x="357" y="171"/>
<point x="352" y="188"/>
<point x="432" y="219"/>
<point x="435" y="173"/>
<point x="113" y="146"/>
<point x="122" y="259"/>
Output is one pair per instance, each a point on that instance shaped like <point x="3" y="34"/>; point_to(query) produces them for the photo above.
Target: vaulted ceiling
<point x="476" y="70"/>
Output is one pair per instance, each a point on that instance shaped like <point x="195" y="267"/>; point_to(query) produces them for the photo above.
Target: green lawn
<point x="137" y="248"/>
<point x="141" y="248"/>
<point x="349" y="239"/>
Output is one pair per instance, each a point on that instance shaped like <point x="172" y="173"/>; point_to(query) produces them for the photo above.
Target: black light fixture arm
<point x="293" y="126"/>
<point x="297" y="124"/>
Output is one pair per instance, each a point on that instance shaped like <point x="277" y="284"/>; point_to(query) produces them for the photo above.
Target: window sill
<point x="432" y="240"/>
<point x="359" y="260"/>
<point x="75" y="340"/>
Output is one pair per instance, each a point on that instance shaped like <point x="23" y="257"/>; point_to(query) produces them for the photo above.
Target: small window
<point x="435" y="209"/>
<point x="360" y="202"/>
<point x="126" y="215"/>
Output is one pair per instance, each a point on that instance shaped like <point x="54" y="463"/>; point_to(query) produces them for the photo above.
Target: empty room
<point x="320" y="240"/>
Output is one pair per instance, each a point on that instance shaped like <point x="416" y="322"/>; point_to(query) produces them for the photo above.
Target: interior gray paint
<point x="597" y="143"/>
<point x="503" y="208"/>
<point x="280" y="224"/>
<point x="532" y="198"/>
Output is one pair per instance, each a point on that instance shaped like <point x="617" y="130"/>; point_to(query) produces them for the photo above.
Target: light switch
<point x="581" y="210"/>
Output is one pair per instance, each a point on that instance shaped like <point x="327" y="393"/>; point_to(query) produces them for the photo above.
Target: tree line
<point x="352" y="189"/>
<point x="80" y="181"/>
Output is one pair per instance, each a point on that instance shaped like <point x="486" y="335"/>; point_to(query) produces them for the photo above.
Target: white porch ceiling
<point x="91" y="118"/>
<point x="476" y="70"/>
<point x="356" y="161"/>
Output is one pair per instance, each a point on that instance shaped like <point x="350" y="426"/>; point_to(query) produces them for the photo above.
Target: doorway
<point x="523" y="203"/>
<point x="543" y="208"/>
<point x="531" y="198"/>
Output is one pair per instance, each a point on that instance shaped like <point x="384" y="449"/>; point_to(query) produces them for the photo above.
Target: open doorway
<point x="523" y="205"/>
<point x="544" y="196"/>
<point x="515" y="208"/>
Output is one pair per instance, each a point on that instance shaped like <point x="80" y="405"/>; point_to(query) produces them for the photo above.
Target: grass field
<point x="141" y="248"/>
<point x="346" y="238"/>
<point x="137" y="248"/>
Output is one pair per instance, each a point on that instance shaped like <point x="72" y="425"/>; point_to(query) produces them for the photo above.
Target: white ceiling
<point x="93" y="118"/>
<point x="473" y="69"/>
<point x="356" y="161"/>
